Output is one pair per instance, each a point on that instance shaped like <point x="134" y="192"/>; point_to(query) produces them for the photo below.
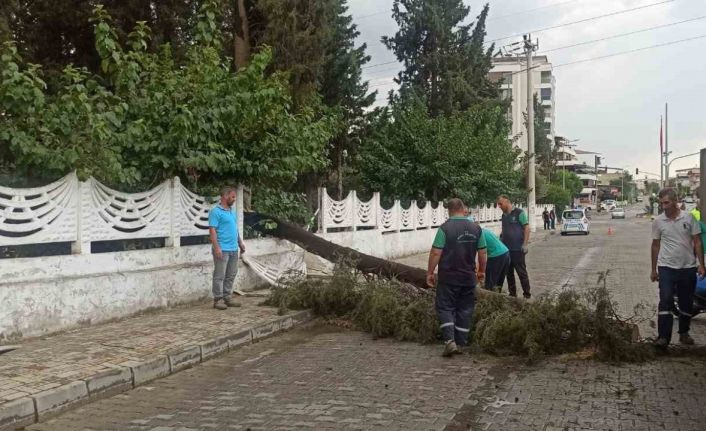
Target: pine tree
<point x="343" y="89"/>
<point x="444" y="60"/>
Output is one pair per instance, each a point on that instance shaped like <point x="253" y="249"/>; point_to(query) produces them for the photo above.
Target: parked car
<point x="575" y="221"/>
<point x="608" y="205"/>
<point x="640" y="198"/>
<point x="617" y="212"/>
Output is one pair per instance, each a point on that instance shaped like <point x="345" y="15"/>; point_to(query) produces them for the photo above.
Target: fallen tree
<point x="335" y="253"/>
<point x="385" y="305"/>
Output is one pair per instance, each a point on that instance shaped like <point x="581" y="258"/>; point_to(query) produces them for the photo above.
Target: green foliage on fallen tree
<point x="550" y="325"/>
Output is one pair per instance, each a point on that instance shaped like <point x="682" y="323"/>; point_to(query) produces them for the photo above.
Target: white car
<point x="575" y="221"/>
<point x="617" y="213"/>
<point x="608" y="205"/>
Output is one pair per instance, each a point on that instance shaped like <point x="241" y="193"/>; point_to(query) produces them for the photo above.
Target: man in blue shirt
<point x="226" y="243"/>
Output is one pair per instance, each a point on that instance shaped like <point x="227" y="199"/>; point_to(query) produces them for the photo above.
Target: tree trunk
<point x="241" y="44"/>
<point x="333" y="252"/>
<point x="339" y="169"/>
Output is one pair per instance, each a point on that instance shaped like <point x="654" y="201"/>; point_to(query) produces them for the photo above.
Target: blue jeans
<point x="224" y="272"/>
<point x="454" y="308"/>
<point x="683" y="283"/>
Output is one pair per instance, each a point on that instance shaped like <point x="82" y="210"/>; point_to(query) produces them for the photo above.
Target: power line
<point x="632" y="51"/>
<point x="660" y="45"/>
<point x="624" y="34"/>
<point x="585" y="20"/>
<point x="379" y="64"/>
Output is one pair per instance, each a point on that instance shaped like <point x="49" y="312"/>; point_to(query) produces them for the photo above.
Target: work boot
<point x="662" y="343"/>
<point x="218" y="304"/>
<point x="230" y="303"/>
<point x="686" y="339"/>
<point x="527" y="295"/>
<point x="450" y="348"/>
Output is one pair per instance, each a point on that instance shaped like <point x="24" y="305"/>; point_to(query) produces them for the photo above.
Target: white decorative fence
<point x="83" y="212"/>
<point x="352" y="214"/>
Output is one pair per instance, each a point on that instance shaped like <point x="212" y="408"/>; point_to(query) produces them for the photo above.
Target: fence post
<point x="377" y="208"/>
<point x="354" y="210"/>
<point x="81" y="246"/>
<point x="174" y="238"/>
<point x="397" y="214"/>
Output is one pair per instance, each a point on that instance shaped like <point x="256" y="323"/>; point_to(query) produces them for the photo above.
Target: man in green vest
<point x="458" y="241"/>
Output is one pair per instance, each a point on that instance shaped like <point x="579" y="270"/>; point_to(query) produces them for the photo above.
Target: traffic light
<point x="637" y="171"/>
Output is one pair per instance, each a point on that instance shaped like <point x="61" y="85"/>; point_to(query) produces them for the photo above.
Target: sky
<point x="612" y="105"/>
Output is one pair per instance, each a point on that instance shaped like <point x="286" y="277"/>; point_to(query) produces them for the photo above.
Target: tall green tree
<point x="466" y="154"/>
<point x="444" y="61"/>
<point x="344" y="91"/>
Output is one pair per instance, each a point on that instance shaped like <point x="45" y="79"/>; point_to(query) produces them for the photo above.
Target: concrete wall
<point x="43" y="295"/>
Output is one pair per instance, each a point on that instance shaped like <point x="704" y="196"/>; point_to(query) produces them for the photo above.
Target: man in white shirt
<point x="676" y="246"/>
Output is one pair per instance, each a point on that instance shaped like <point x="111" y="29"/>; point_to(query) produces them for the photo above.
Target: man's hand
<point x="655" y="276"/>
<point x="431" y="280"/>
<point x="241" y="245"/>
<point x="525" y="248"/>
<point x="218" y="252"/>
<point x="701" y="271"/>
<point x="481" y="277"/>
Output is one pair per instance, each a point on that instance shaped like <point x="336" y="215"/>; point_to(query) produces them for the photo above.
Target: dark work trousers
<point x="546" y="224"/>
<point x="553" y="223"/>
<point x="454" y="308"/>
<point x="517" y="264"/>
<point x="495" y="271"/>
<point x="683" y="283"/>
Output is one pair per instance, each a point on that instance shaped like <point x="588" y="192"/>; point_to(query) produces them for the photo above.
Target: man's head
<point x="668" y="200"/>
<point x="504" y="203"/>
<point x="228" y="196"/>
<point x="456" y="207"/>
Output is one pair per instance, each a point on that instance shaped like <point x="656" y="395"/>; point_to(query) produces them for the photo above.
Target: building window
<point x="506" y="94"/>
<point x="546" y="77"/>
<point x="546" y="93"/>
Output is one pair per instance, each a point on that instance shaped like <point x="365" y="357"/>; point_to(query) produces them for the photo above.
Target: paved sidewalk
<point x="47" y="374"/>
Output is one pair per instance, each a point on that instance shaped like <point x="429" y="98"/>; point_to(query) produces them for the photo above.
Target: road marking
<point x="582" y="264"/>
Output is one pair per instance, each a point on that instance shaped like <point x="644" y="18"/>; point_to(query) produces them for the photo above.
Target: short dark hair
<point x="225" y="191"/>
<point x="504" y="197"/>
<point x="668" y="192"/>
<point x="455" y="205"/>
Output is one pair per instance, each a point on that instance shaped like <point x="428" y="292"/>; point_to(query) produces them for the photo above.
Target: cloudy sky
<point x="612" y="105"/>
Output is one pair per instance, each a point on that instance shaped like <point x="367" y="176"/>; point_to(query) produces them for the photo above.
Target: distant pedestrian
<point x="515" y="235"/>
<point x="677" y="252"/>
<point x="226" y="246"/>
<point x="454" y="251"/>
<point x="552" y="219"/>
<point x="545" y="218"/>
<point x="498" y="261"/>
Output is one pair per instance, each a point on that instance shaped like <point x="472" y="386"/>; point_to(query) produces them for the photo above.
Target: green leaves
<point x="148" y="117"/>
<point x="466" y="154"/>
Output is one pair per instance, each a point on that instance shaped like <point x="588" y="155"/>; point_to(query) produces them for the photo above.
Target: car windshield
<point x="618" y="210"/>
<point x="573" y="215"/>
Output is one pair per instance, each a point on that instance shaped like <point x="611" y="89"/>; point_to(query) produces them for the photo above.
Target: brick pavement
<point x="325" y="378"/>
<point x="322" y="378"/>
<point x="66" y="368"/>
<point x="579" y="395"/>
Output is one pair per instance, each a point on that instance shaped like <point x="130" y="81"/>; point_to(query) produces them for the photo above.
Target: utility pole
<point x="702" y="184"/>
<point x="661" y="155"/>
<point x="532" y="197"/>
<point x="666" y="143"/>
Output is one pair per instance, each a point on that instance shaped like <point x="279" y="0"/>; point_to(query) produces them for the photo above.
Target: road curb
<point x="17" y="414"/>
